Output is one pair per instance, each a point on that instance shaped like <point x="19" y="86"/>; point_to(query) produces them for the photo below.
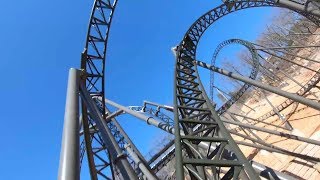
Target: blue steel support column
<point x="69" y="168"/>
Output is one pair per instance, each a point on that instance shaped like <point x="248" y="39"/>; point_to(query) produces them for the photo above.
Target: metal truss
<point x="93" y="64"/>
<point x="255" y="68"/>
<point x="203" y="146"/>
<point x="253" y="48"/>
<point x="193" y="107"/>
<point x="167" y="153"/>
<point x="253" y="74"/>
<point x="276" y="110"/>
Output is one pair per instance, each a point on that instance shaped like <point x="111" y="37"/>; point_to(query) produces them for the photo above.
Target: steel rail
<point x="116" y="153"/>
<point x="190" y="99"/>
<point x="304" y="89"/>
<point x="215" y="133"/>
<point x="94" y="54"/>
<point x="186" y="90"/>
<point x="153" y="112"/>
<point x="314" y="80"/>
<point x="311" y="83"/>
<point x="288" y="135"/>
<point x="295" y="97"/>
<point x="246" y="86"/>
<point x="123" y="140"/>
<point x="170" y="154"/>
<point x="93" y="65"/>
<point x="230" y="95"/>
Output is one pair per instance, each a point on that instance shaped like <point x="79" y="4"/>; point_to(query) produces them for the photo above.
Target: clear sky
<point x="41" y="40"/>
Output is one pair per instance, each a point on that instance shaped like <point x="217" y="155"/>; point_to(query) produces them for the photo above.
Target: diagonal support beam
<point x="275" y="90"/>
<point x="259" y="168"/>
<point x="306" y="8"/>
<point x="118" y="156"/>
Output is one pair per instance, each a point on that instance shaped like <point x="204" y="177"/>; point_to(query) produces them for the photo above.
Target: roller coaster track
<point x="160" y="159"/>
<point x="192" y="107"/>
<point x="301" y="92"/>
<point x="253" y="74"/>
<point x="165" y="118"/>
<point x="94" y="54"/>
<point x="93" y="64"/>
<point x="311" y="83"/>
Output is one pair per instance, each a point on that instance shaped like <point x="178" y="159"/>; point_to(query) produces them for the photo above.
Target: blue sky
<point x="41" y="40"/>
